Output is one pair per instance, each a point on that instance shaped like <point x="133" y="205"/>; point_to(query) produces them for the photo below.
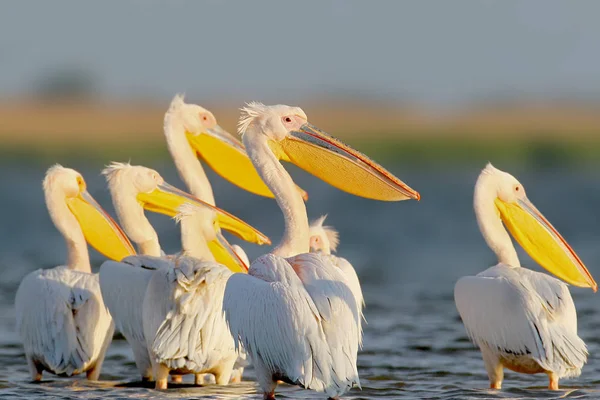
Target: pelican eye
<point x="80" y="182"/>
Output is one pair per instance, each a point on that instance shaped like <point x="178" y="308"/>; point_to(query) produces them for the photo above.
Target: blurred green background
<point x="422" y="82"/>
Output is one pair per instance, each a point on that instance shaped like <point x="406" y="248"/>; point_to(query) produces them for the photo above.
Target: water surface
<point x="408" y="256"/>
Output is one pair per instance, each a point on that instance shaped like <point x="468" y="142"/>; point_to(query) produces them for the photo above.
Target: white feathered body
<point x="123" y="286"/>
<point x="353" y="283"/>
<point x="184" y="324"/>
<point x="298" y="321"/>
<point x="62" y="320"/>
<point x="524" y="319"/>
<point x="171" y="312"/>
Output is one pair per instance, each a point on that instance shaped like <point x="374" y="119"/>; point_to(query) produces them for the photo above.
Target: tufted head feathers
<point x="67" y="181"/>
<point x="267" y="117"/>
<point x="323" y="238"/>
<point x="194" y="118"/>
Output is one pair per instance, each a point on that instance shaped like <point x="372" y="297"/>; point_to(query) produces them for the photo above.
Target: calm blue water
<point x="408" y="256"/>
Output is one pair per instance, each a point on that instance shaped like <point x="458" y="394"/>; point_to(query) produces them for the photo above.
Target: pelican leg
<point x="34" y="369"/>
<point x="93" y="373"/>
<point x="223" y="372"/>
<point x="236" y="376"/>
<point x="147" y="375"/>
<point x="553" y="385"/>
<point x="142" y="361"/>
<point x="265" y="379"/>
<point x="161" y="374"/>
<point x="203" y="379"/>
<point x="493" y="367"/>
<point x="176" y="378"/>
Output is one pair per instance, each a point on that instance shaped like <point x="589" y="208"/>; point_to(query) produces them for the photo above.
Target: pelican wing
<point x="278" y="323"/>
<point x="516" y="311"/>
<point x="149" y="262"/>
<point x="353" y="283"/>
<point x="123" y="287"/>
<point x="62" y="319"/>
<point x="183" y="317"/>
<point x="329" y="289"/>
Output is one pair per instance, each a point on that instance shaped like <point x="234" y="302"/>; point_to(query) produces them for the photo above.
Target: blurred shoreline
<point x="544" y="132"/>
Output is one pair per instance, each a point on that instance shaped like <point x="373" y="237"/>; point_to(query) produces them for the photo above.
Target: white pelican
<point x="520" y="319"/>
<point x="325" y="239"/>
<point x="183" y="316"/>
<point x="191" y="131"/>
<point x="294" y="313"/>
<point x="151" y="302"/>
<point x="61" y="318"/>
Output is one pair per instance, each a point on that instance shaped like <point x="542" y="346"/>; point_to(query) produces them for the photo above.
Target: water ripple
<point x="415" y="346"/>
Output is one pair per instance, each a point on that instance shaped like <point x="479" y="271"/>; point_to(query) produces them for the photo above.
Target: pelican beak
<point x="239" y="228"/>
<point x="543" y="242"/>
<point x="166" y="199"/>
<point x="340" y="165"/>
<point x="99" y="229"/>
<point x="226" y="155"/>
<point x="224" y="254"/>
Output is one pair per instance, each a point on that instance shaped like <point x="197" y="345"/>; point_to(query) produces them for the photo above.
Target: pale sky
<point x="435" y="52"/>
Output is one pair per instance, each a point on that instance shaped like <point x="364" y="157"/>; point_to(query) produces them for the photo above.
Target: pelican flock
<point x="295" y="313"/>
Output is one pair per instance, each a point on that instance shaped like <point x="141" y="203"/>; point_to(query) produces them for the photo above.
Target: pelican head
<point x="530" y="228"/>
<point x="291" y="138"/>
<point x="215" y="146"/>
<point x="323" y="238"/>
<point x="194" y="118"/>
<point x="135" y="186"/>
<point x="204" y="222"/>
<point x="67" y="186"/>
